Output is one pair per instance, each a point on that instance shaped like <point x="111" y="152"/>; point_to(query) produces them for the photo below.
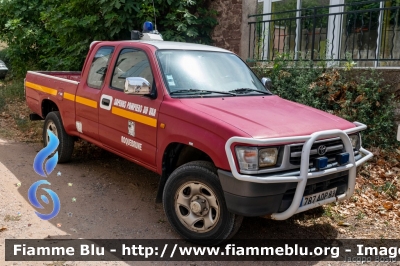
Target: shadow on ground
<point x="106" y="197"/>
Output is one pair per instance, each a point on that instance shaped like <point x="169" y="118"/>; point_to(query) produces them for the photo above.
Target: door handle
<point x="105" y="102"/>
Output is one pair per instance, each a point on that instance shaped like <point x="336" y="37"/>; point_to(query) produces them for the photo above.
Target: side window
<point x="99" y="66"/>
<point x="131" y="63"/>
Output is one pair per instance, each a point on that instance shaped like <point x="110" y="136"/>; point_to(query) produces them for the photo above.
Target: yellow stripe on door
<point x="86" y="101"/>
<point x="69" y="96"/>
<point x="134" y="116"/>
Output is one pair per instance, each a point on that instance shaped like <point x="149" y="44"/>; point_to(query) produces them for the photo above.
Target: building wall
<point x="249" y="7"/>
<point x="232" y="31"/>
<point x="227" y="34"/>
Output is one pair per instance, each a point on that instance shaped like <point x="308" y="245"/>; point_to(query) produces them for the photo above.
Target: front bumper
<point x="280" y="195"/>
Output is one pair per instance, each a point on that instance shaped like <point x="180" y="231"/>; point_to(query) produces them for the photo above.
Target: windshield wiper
<point x="244" y="90"/>
<point x="202" y="91"/>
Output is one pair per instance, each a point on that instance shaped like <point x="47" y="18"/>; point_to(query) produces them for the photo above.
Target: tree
<point x="60" y="32"/>
<point x="24" y="33"/>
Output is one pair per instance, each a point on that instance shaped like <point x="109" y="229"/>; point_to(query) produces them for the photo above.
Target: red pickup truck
<point x="224" y="145"/>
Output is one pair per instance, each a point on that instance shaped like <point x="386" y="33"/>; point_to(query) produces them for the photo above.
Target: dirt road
<point x="104" y="196"/>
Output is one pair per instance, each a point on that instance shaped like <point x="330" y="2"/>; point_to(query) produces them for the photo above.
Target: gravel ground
<point x="106" y="197"/>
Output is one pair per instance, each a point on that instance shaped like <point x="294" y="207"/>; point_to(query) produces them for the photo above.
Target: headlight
<point x="355" y="141"/>
<point x="267" y="157"/>
<point x="253" y="158"/>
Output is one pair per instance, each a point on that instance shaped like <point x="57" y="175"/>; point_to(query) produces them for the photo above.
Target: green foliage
<point x="4" y="57"/>
<point x="10" y="90"/>
<point x="55" y="35"/>
<point x="287" y="9"/>
<point x="360" y="215"/>
<point x="22" y="30"/>
<point x="355" y="95"/>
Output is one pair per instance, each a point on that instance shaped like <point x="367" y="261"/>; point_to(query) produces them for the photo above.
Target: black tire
<point x="195" y="183"/>
<point x="238" y="218"/>
<point x="66" y="147"/>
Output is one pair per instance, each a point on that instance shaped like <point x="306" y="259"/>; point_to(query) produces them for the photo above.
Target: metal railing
<point x="367" y="32"/>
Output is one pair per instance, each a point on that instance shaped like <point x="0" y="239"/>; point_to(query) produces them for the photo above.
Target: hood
<point x="267" y="116"/>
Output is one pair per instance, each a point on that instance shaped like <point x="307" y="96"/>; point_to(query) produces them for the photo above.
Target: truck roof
<point x="183" y="46"/>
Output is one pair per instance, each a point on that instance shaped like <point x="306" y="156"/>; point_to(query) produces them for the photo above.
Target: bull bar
<point x="304" y="166"/>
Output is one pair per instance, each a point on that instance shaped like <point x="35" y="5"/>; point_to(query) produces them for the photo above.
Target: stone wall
<point x="231" y="33"/>
<point x="227" y="34"/>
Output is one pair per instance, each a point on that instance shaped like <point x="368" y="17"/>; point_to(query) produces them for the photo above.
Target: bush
<point x="348" y="93"/>
<point x="4" y="57"/>
<point x="11" y="90"/>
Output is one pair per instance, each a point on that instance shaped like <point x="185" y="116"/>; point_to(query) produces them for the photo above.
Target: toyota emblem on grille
<point x="321" y="150"/>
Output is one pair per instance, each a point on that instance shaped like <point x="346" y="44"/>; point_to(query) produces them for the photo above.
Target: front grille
<point x="333" y="147"/>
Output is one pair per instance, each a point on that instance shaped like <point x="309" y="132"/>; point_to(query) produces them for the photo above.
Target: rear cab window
<point x="99" y="66"/>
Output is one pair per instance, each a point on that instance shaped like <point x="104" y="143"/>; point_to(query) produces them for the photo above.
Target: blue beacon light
<point x="147" y="27"/>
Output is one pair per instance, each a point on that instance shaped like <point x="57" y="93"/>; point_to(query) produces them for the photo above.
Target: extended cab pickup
<point x="224" y="145"/>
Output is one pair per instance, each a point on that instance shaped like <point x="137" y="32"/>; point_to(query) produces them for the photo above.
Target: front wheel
<point x="54" y="123"/>
<point x="195" y="206"/>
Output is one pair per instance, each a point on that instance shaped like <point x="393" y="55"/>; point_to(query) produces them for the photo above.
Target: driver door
<point x="128" y="123"/>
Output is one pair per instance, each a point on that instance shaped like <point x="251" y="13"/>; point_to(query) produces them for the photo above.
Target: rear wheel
<point x="54" y="123"/>
<point x="195" y="206"/>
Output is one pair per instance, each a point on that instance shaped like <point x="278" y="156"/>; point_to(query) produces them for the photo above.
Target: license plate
<point x="310" y="199"/>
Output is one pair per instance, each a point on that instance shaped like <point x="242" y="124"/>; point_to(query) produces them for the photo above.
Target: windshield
<point x="202" y="73"/>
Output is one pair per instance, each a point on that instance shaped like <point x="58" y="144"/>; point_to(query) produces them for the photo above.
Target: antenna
<point x="155" y="19"/>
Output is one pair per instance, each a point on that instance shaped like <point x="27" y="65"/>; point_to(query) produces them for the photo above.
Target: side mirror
<point x="267" y="82"/>
<point x="137" y="86"/>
